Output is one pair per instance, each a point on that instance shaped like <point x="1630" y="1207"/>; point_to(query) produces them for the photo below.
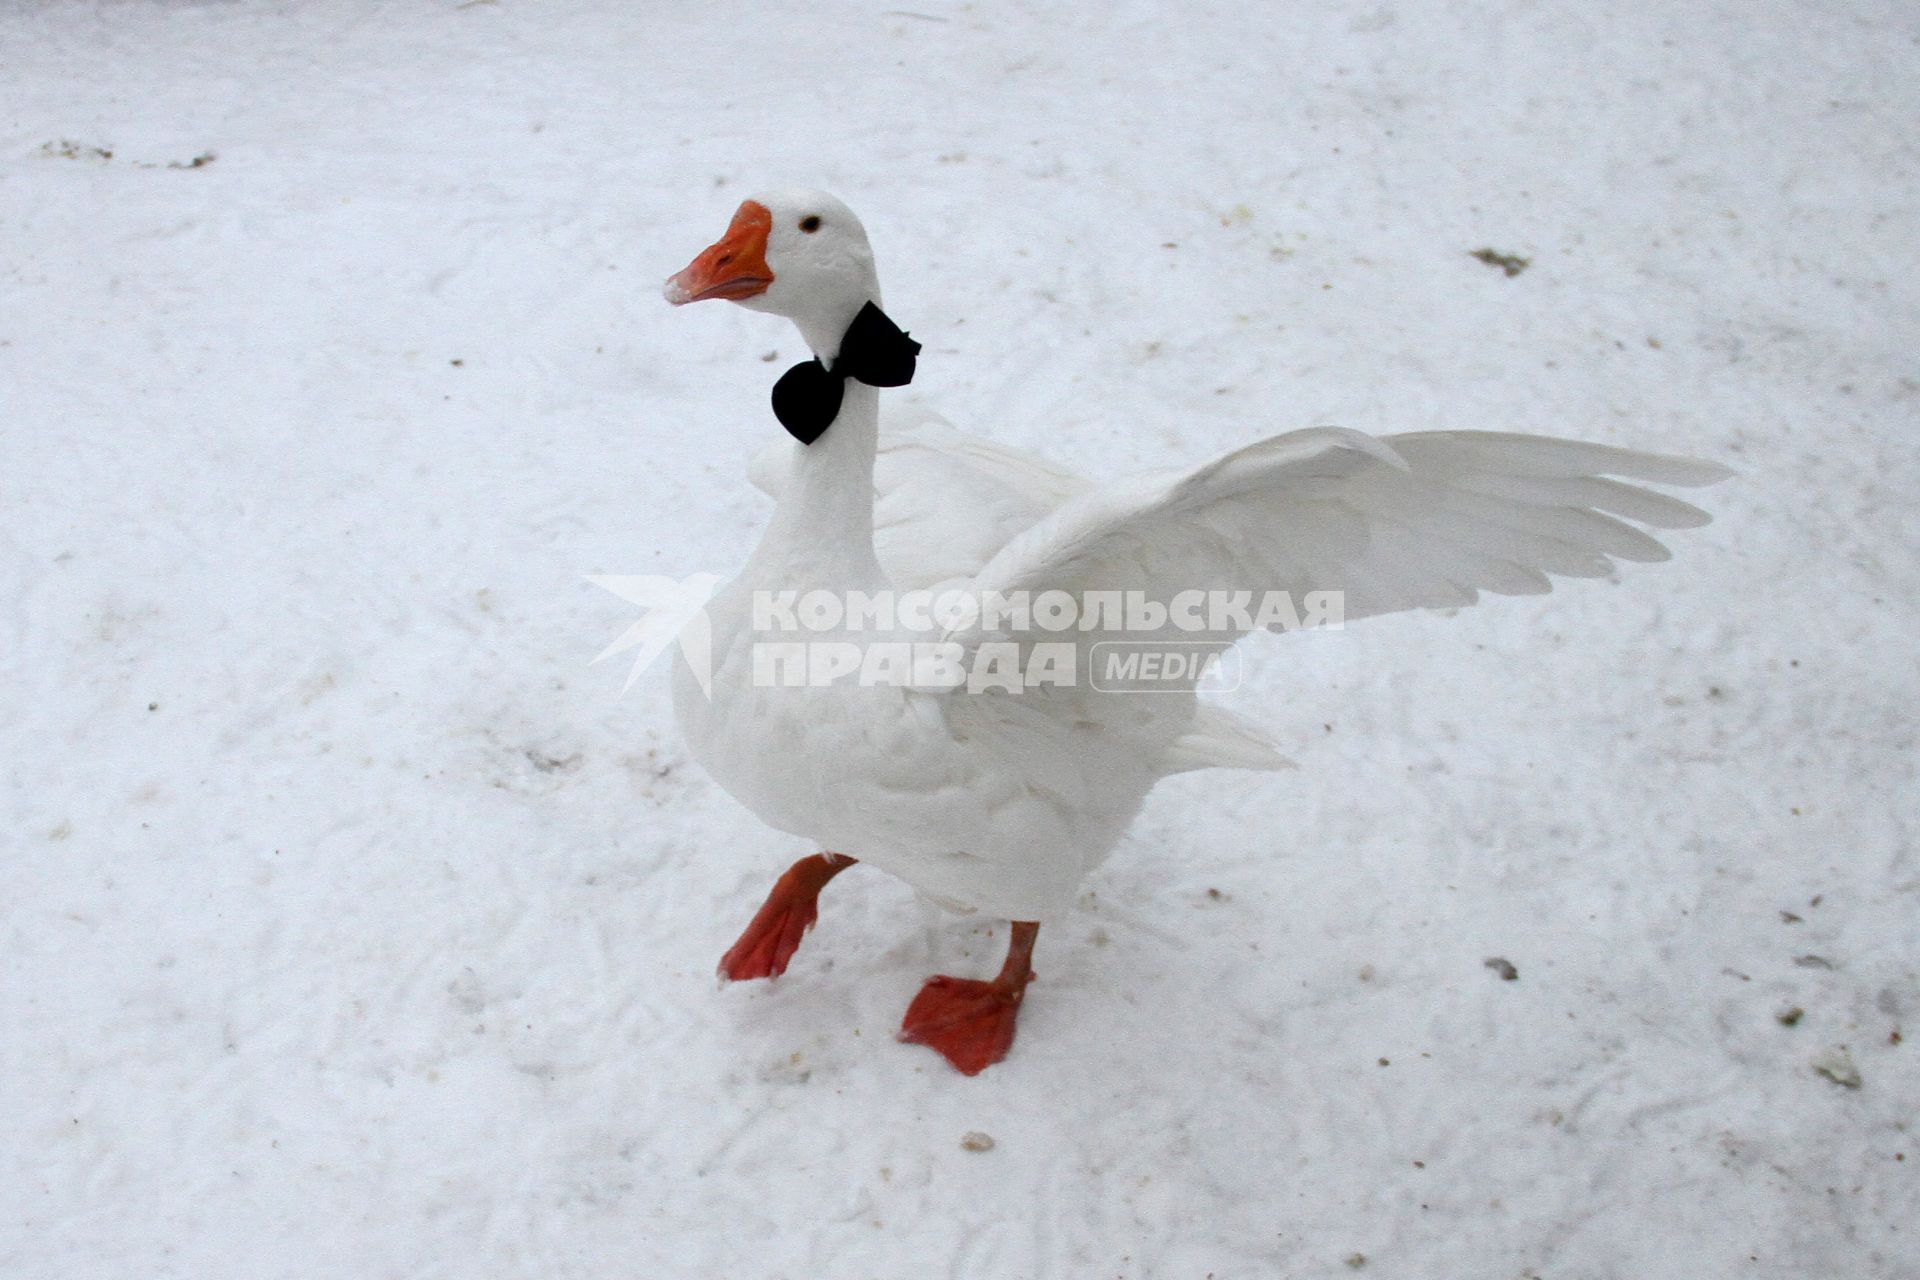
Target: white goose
<point x="1000" y="802"/>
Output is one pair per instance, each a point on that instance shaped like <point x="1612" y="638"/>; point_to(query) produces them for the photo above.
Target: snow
<point x="355" y="926"/>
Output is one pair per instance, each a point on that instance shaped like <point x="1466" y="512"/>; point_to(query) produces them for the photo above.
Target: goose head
<point x="795" y="253"/>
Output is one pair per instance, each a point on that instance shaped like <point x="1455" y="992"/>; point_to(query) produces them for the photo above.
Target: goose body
<point x="1001" y="802"/>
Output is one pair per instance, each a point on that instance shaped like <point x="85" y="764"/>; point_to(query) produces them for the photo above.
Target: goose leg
<point x="970" y="1022"/>
<point x="789" y="911"/>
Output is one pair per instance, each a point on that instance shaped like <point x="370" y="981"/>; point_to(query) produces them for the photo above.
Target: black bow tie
<point x="874" y="351"/>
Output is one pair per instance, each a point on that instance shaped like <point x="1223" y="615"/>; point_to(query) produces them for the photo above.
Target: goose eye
<point x="810" y="223"/>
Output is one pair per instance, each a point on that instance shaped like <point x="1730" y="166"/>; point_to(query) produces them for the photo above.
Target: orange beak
<point x="733" y="267"/>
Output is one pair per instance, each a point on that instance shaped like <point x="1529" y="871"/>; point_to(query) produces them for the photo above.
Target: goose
<point x="999" y="797"/>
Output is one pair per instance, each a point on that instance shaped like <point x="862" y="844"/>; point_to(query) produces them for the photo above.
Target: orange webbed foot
<point x="782" y="921"/>
<point x="968" y="1022"/>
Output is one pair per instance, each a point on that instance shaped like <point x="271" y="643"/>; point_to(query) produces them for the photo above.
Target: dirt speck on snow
<point x="1511" y="263"/>
<point x="1836" y="1064"/>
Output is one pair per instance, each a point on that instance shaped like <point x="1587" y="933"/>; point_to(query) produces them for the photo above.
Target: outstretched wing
<point x="944" y="501"/>
<point x="1426" y="520"/>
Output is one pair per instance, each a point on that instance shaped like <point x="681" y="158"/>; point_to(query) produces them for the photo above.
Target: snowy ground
<point x="354" y="927"/>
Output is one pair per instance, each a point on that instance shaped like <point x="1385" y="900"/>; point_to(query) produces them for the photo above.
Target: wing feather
<point x="1425" y="520"/>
